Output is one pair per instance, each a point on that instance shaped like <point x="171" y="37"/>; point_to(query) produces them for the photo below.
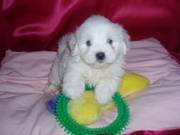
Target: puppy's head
<point x="100" y="42"/>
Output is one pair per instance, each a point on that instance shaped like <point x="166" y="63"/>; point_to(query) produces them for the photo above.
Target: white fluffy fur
<point x="77" y="64"/>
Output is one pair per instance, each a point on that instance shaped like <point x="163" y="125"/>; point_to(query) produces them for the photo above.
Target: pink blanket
<point x="23" y="78"/>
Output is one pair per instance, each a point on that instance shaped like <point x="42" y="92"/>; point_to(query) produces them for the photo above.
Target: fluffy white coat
<point x="94" y="54"/>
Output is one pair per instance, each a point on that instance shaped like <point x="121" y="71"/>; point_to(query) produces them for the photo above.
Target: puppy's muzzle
<point x="100" y="56"/>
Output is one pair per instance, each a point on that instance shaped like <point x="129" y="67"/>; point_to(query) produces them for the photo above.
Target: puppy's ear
<point x="73" y="45"/>
<point x="126" y="41"/>
<point x="67" y="44"/>
<point x="124" y="38"/>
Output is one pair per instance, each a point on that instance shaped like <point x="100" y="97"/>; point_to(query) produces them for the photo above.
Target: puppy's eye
<point x="110" y="41"/>
<point x="88" y="43"/>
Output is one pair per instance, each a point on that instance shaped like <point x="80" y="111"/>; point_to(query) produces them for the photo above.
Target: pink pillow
<point x="23" y="77"/>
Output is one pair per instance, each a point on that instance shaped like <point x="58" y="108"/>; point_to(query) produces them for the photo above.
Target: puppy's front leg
<point x="106" y="89"/>
<point x="73" y="85"/>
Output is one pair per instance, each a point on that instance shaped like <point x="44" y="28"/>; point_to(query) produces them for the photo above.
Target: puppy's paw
<point x="104" y="92"/>
<point x="103" y="95"/>
<point x="103" y="98"/>
<point x="74" y="92"/>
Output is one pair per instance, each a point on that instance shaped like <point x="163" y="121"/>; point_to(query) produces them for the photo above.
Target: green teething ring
<point x="74" y="128"/>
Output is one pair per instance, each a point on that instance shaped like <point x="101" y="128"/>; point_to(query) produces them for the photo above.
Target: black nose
<point x="100" y="56"/>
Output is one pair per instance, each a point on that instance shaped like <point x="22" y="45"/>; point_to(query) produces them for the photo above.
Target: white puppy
<point x="93" y="54"/>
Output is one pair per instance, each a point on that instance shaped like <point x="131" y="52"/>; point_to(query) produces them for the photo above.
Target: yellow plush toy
<point x="86" y="110"/>
<point x="133" y="83"/>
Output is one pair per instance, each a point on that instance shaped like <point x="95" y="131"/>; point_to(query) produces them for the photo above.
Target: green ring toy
<point x="74" y="128"/>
